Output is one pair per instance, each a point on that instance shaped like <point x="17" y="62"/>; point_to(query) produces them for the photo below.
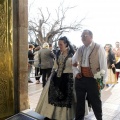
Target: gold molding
<point x="6" y="59"/>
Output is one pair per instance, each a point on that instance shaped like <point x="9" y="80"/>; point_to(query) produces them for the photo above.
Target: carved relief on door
<point x="6" y="59"/>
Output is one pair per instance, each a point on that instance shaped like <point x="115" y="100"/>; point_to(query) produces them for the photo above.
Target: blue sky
<point x="102" y="17"/>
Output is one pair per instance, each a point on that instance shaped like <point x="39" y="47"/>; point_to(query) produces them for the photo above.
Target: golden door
<point x="6" y="59"/>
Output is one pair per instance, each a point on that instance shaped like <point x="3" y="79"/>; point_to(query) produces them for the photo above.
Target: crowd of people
<point x="69" y="77"/>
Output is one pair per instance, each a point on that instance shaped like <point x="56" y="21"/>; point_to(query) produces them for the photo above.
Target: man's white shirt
<point x="85" y="61"/>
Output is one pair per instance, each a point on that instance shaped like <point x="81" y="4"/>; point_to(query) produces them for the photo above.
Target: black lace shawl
<point x="61" y="88"/>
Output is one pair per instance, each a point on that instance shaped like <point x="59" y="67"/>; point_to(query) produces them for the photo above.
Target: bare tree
<point x="48" y="29"/>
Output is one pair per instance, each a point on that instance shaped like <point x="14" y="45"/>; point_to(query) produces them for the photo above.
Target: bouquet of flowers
<point x="99" y="78"/>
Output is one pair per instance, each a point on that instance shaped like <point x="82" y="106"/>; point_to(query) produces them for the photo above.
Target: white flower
<point x="99" y="74"/>
<point x="95" y="76"/>
<point x="102" y="72"/>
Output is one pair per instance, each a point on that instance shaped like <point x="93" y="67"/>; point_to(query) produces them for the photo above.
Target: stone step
<point x="26" y="115"/>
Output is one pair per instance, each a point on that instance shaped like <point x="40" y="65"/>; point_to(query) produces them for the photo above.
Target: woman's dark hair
<point x="66" y="41"/>
<point x="31" y="46"/>
<point x="110" y="50"/>
<point x="111" y="57"/>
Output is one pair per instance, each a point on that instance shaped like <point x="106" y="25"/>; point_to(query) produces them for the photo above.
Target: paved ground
<point x="110" y="99"/>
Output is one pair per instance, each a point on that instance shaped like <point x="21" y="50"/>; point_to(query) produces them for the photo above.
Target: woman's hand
<point x="113" y="65"/>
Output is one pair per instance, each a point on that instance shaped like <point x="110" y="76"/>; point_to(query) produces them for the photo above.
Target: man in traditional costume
<point x="91" y="59"/>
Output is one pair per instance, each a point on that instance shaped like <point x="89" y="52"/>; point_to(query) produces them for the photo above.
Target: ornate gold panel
<point x="6" y="59"/>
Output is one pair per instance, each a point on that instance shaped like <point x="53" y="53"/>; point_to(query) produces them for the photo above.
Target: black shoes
<point x="46" y="118"/>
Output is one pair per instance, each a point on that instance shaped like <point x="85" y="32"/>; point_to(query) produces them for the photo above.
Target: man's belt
<point x="86" y="72"/>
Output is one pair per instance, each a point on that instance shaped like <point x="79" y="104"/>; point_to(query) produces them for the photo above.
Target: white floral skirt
<point x="55" y="112"/>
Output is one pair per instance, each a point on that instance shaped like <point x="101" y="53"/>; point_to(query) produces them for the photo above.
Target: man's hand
<point x="78" y="76"/>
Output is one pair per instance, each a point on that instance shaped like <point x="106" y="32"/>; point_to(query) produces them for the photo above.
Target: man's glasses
<point x="84" y="36"/>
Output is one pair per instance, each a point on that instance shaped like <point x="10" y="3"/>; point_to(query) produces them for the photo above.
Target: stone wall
<point x="20" y="41"/>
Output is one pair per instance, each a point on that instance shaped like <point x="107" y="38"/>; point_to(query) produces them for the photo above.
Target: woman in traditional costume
<point x="111" y="78"/>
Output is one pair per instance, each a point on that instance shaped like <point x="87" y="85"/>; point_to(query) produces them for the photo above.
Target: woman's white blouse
<point x="68" y="66"/>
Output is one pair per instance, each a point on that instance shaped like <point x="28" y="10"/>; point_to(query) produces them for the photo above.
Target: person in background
<point x="116" y="51"/>
<point x="111" y="78"/>
<point x="30" y="61"/>
<point x="36" y="65"/>
<point x="45" y="57"/>
<point x="91" y="59"/>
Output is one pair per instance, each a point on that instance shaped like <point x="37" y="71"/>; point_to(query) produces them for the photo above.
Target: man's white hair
<point x="45" y="45"/>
